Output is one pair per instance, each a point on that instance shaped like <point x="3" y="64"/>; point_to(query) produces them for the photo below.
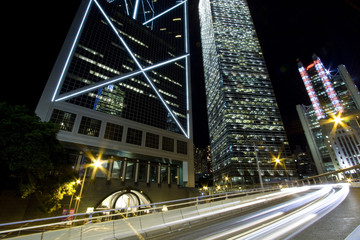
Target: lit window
<point x="64" y="120"/>
<point x="90" y="126"/>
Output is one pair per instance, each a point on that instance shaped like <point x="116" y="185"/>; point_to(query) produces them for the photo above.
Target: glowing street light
<point x="278" y="160"/>
<point x="72" y="195"/>
<point x="227" y="179"/>
<point x="337" y="119"/>
<point x="96" y="164"/>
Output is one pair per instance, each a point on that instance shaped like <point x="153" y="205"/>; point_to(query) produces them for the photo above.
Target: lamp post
<point x="78" y="181"/>
<point x="278" y="161"/>
<point x="95" y="164"/>
<point x="80" y="194"/>
<point x="227" y="179"/>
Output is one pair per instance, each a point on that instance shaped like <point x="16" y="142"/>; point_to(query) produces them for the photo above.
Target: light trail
<point x="232" y="206"/>
<point x="277" y="210"/>
<point x="247" y="225"/>
<point x="288" y="225"/>
<point x="281" y="221"/>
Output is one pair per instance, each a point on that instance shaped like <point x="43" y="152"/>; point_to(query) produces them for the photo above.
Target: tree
<point x="32" y="158"/>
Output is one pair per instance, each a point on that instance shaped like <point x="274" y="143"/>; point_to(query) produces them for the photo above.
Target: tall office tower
<point x="246" y="130"/>
<point x="331" y="96"/>
<point x="202" y="160"/>
<point x="120" y="91"/>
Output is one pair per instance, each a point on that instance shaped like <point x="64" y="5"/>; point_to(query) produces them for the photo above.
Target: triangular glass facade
<point x="129" y="59"/>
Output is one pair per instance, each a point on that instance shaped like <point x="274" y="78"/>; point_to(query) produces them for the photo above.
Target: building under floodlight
<point x="120" y="93"/>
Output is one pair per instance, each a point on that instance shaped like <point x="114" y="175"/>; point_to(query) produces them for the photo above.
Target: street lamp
<point x="337" y="120"/>
<point x="77" y="203"/>
<point x="96" y="164"/>
<point x="227" y="179"/>
<point x="277" y="161"/>
<point x="72" y="195"/>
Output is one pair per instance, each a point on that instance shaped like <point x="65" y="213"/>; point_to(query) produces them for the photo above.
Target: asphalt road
<point x="337" y="224"/>
<point x="219" y="224"/>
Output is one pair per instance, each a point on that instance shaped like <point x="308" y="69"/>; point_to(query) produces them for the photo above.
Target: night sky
<point x="287" y="30"/>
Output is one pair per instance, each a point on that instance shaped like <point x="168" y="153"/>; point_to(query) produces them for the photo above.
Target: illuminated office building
<point x="244" y="120"/>
<point x="120" y="91"/>
<point x="331" y="95"/>
<point x="342" y="138"/>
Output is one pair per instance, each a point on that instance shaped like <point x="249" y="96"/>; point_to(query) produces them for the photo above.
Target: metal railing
<point x="346" y="174"/>
<point x="18" y="228"/>
<point x="42" y="225"/>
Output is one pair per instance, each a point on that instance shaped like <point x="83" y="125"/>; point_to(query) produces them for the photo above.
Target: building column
<point x="178" y="175"/>
<point x="159" y="173"/>
<point x="124" y="170"/>
<point x="148" y="173"/>
<point x="78" y="161"/>
<point x="110" y="168"/>
<point x="169" y="174"/>
<point x="136" y="171"/>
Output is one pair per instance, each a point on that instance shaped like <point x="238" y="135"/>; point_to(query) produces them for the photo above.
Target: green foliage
<point x="33" y="159"/>
<point x="51" y="200"/>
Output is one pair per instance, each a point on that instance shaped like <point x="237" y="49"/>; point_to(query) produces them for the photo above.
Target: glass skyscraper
<point x="120" y="90"/>
<point x="246" y="130"/>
